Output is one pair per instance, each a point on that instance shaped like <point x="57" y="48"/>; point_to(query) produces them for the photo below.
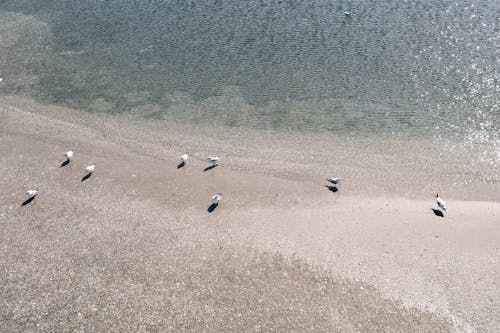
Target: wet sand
<point x="134" y="248"/>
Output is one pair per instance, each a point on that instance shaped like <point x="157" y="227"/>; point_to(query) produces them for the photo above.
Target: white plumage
<point x="347" y="13"/>
<point x="31" y="193"/>
<point x="216" y="198"/>
<point x="184" y="158"/>
<point x="90" y="168"/>
<point x="334" y="180"/>
<point x="440" y="202"/>
<point x="68" y="155"/>
<point x="213" y="159"/>
<point x="1" y="79"/>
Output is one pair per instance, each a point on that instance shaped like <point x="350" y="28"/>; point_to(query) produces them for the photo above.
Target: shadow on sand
<point x="331" y="188"/>
<point x="437" y="212"/>
<point x="64" y="163"/>
<point x="27" y="201"/>
<point x="86" y="177"/>
<point x="181" y="165"/>
<point x="209" y="168"/>
<point x="212" y="207"/>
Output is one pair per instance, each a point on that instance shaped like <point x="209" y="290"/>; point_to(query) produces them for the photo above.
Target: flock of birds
<point x="89" y="170"/>
<point x="215" y="199"/>
<point x="214" y="160"/>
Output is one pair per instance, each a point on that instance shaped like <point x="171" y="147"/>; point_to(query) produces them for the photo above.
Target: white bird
<point x="335" y="181"/>
<point x="31" y="193"/>
<point x="440" y="202"/>
<point x="213" y="159"/>
<point x="69" y="155"/>
<point x="1" y="79"/>
<point x="347" y="13"/>
<point x="90" y="169"/>
<point x="216" y="198"/>
<point x="184" y="158"/>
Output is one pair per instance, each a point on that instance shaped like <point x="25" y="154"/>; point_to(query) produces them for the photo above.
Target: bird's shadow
<point x="209" y="167"/>
<point x="437" y="212"/>
<point x="212" y="207"/>
<point x="331" y="188"/>
<point x="64" y="163"/>
<point x="86" y="177"/>
<point x="28" y="201"/>
<point x="181" y="165"/>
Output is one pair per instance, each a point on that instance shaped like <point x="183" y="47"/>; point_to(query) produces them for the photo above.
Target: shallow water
<point x="422" y="69"/>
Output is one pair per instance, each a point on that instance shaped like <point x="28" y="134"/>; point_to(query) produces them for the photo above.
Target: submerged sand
<point x="134" y="248"/>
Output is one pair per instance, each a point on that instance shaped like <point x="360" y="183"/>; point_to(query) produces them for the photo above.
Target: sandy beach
<point x="133" y="248"/>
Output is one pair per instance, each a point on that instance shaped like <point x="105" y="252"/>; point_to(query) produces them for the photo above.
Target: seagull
<point x="215" y="199"/>
<point x="1" y="79"/>
<point x="213" y="159"/>
<point x="90" y="169"/>
<point x="68" y="155"/>
<point x="440" y="202"/>
<point x="31" y="193"/>
<point x="335" y="181"/>
<point x="184" y="158"/>
<point x="347" y="13"/>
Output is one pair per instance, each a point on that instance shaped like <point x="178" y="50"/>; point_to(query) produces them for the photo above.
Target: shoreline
<point x="391" y="166"/>
<point x="389" y="240"/>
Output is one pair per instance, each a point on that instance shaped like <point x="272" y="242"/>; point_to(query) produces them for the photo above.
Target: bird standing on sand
<point x="184" y="158"/>
<point x="90" y="169"/>
<point x="68" y="155"/>
<point x="335" y="181"/>
<point x="213" y="159"/>
<point x="440" y="202"/>
<point x="31" y="193"/>
<point x="214" y="200"/>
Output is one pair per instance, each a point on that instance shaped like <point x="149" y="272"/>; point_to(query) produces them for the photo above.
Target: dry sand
<point x="134" y="248"/>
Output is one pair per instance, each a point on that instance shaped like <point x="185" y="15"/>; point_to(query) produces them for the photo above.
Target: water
<point x="424" y="68"/>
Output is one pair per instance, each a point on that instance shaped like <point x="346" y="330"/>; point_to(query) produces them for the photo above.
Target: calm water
<point x="420" y="67"/>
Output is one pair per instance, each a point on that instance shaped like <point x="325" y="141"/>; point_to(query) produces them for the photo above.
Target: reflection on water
<point x="424" y="67"/>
